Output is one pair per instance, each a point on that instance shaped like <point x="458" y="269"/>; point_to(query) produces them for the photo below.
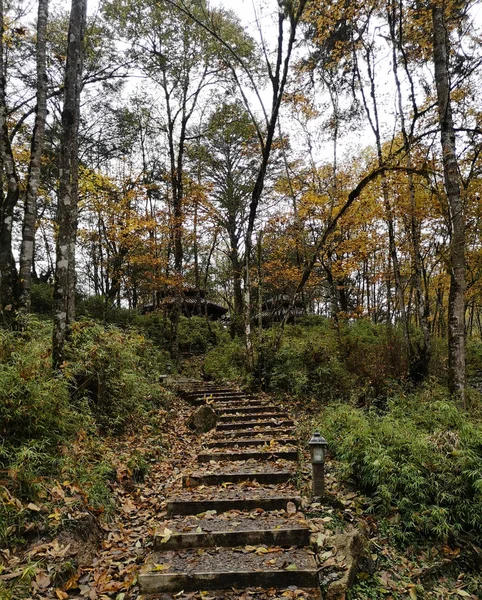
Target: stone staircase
<point x="236" y="524"/>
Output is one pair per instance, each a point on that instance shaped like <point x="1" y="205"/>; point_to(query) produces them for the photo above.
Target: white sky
<point x="263" y="11"/>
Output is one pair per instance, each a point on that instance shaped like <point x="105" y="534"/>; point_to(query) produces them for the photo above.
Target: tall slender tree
<point x="456" y="319"/>
<point x="8" y="197"/>
<point x="229" y="153"/>
<point x="64" y="288"/>
<point x="37" y="144"/>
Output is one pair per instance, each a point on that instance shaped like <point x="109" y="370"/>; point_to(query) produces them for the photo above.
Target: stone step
<point x="272" y="529"/>
<point x="251" y="416"/>
<point x="197" y="399"/>
<point x="253" y="593"/>
<point x="233" y="411"/>
<point x="232" y="425"/>
<point x="248" y="403"/>
<point x="234" y="399"/>
<point x="280" y="537"/>
<point x="288" y="454"/>
<point x="226" y="568"/>
<point x="249" y="433"/>
<point x="220" y="478"/>
<point x="286" y="441"/>
<point x="183" y="506"/>
<point x="203" y="392"/>
<point x="236" y="475"/>
<point x="194" y="387"/>
<point x="219" y="394"/>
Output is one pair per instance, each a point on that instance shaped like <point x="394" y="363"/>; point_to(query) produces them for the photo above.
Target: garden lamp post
<point x="318" y="446"/>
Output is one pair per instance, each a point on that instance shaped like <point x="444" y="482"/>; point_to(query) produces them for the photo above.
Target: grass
<point x="421" y="459"/>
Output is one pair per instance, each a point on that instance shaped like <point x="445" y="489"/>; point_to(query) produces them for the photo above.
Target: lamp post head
<point x="318" y="446"/>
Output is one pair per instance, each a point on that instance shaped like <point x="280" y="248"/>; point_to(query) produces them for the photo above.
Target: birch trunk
<point x="8" y="200"/>
<point x="28" y="231"/>
<point x="456" y="317"/>
<point x="64" y="288"/>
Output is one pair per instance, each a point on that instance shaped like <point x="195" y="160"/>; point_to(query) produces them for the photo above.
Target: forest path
<point x="233" y="526"/>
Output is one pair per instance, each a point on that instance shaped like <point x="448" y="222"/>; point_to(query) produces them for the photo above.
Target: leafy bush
<point x="196" y="336"/>
<point x="423" y="457"/>
<point x="157" y="327"/>
<point x="42" y="298"/>
<point x="307" y="364"/>
<point x="115" y="372"/>
<point x="98" y="308"/>
<point x="49" y="423"/>
<point x="314" y="359"/>
<point x="226" y="361"/>
<point x="375" y="354"/>
<point x="474" y="357"/>
<point x="34" y="405"/>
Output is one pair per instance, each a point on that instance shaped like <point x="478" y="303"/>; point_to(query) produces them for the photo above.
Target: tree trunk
<point x="456" y="318"/>
<point x="64" y="287"/>
<point x="8" y="200"/>
<point x="419" y="367"/>
<point x="374" y="121"/>
<point x="28" y="231"/>
<point x="237" y="267"/>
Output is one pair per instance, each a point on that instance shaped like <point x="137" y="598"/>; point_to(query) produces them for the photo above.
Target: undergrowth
<point x="51" y="424"/>
<point x="314" y="359"/>
<point x="421" y="458"/>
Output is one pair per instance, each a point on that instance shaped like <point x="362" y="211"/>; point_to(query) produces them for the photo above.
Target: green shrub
<point x="314" y="359"/>
<point x="474" y="357"/>
<point x="138" y="466"/>
<point x="42" y="298"/>
<point x="307" y="364"/>
<point x="101" y="309"/>
<point x="34" y="405"/>
<point x="116" y="372"/>
<point x="157" y="327"/>
<point x="423" y="456"/>
<point x="49" y="423"/>
<point x="375" y="354"/>
<point x="226" y="361"/>
<point x="196" y="335"/>
<point x="35" y="421"/>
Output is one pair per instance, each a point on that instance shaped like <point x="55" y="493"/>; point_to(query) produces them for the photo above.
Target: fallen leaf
<point x="291" y="508"/>
<point x="128" y="506"/>
<point x="42" y="580"/>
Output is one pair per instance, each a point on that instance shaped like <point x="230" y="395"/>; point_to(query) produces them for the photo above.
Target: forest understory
<point x="285" y="198"/>
<point x="86" y="471"/>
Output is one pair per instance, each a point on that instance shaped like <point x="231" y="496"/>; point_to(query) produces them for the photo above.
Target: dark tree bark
<point x="456" y="318"/>
<point x="28" y="231"/>
<point x="64" y="288"/>
<point x="8" y="200"/>
<point x="278" y="76"/>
